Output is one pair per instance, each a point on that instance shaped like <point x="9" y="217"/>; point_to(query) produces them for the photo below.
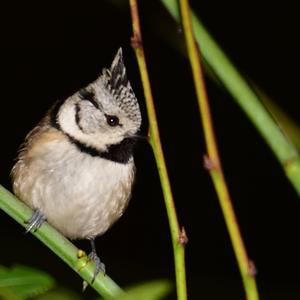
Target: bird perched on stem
<point x="76" y="168"/>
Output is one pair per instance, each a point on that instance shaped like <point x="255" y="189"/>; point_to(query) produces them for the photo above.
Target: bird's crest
<point x="116" y="81"/>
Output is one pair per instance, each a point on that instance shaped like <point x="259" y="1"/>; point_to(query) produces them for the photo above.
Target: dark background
<point x="49" y="51"/>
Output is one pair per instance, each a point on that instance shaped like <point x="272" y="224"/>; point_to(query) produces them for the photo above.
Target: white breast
<point x="81" y="195"/>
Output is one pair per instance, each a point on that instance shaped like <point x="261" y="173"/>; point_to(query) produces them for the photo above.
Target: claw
<point x="35" y="222"/>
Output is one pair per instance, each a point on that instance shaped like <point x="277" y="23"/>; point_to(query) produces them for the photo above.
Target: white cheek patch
<point x="99" y="139"/>
<point x="91" y="119"/>
<point x="66" y="119"/>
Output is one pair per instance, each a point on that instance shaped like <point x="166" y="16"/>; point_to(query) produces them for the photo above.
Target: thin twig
<point x="212" y="160"/>
<point x="63" y="248"/>
<point x="178" y="235"/>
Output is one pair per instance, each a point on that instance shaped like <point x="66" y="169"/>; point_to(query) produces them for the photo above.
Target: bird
<point x="76" y="168"/>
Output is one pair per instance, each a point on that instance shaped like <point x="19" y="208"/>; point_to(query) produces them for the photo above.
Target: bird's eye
<point x="112" y="121"/>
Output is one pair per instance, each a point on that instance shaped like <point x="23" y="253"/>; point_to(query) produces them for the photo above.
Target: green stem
<point x="178" y="235"/>
<point x="62" y="247"/>
<point x="213" y="162"/>
<point x="244" y="95"/>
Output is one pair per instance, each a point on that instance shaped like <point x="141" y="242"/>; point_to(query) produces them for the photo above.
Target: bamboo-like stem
<point x="246" y="98"/>
<point x="212" y="161"/>
<point x="61" y="246"/>
<point x="178" y="235"/>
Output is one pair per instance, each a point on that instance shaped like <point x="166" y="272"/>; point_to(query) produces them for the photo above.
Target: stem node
<point x="136" y="41"/>
<point x="252" y="271"/>
<point x="209" y="164"/>
<point x="183" y="239"/>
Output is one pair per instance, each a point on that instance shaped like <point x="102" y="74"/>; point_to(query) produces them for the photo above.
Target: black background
<point x="49" y="51"/>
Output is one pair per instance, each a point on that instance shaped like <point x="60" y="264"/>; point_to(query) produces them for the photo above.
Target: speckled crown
<point x="116" y="81"/>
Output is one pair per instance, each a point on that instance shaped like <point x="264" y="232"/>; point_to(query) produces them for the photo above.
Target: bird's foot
<point x="100" y="267"/>
<point x="94" y="257"/>
<point x="35" y="222"/>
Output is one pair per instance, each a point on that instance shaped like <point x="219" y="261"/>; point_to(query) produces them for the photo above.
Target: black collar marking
<point x="54" y="113"/>
<point x="120" y="153"/>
